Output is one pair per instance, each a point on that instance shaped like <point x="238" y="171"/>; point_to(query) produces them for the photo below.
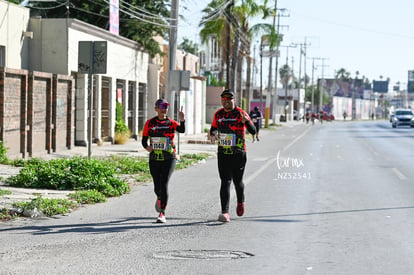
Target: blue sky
<point x="375" y="38"/>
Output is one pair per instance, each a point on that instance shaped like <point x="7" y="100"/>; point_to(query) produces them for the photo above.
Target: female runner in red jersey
<point x="161" y="132"/>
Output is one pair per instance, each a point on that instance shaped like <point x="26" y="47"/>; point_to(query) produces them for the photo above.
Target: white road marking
<point x="398" y="173"/>
<point x="272" y="160"/>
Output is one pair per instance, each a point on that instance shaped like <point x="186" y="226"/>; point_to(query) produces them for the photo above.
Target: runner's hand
<point x="181" y="114"/>
<point x="213" y="138"/>
<point x="244" y="117"/>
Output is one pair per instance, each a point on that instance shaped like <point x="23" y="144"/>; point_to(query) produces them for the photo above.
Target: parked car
<point x="297" y="116"/>
<point x="403" y="117"/>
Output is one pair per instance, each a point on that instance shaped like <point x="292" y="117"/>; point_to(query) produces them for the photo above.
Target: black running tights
<point x="161" y="172"/>
<point x="231" y="167"/>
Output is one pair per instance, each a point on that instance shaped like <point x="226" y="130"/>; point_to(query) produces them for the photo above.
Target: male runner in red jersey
<point x="228" y="129"/>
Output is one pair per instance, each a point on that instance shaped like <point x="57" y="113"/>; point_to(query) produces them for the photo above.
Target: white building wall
<point x="199" y="107"/>
<point x="55" y="50"/>
<point x="124" y="59"/>
<point x="14" y="20"/>
<point x="189" y="109"/>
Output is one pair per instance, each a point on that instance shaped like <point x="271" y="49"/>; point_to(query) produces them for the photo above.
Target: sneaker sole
<point x="161" y="220"/>
<point x="222" y="218"/>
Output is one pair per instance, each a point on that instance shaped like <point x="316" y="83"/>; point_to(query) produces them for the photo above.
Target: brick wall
<point x="36" y="112"/>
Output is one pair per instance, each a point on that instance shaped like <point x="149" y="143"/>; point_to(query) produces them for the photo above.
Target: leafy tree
<point x="215" y="25"/>
<point x="139" y="20"/>
<point x="188" y="46"/>
<point x="316" y="97"/>
<point x="285" y="75"/>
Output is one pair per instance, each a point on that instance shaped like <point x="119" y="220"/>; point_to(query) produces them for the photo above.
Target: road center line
<point x="398" y="173"/>
<point x="296" y="139"/>
<point x="272" y="160"/>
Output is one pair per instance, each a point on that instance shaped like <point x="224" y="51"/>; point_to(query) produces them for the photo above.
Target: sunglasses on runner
<point x="226" y="98"/>
<point x="163" y="106"/>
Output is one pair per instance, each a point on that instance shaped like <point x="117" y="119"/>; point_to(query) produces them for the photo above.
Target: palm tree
<point x="243" y="13"/>
<point x="342" y="74"/>
<point x="214" y="23"/>
<point x="285" y="75"/>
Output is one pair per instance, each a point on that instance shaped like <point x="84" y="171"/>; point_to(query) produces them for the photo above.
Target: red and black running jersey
<point x="230" y="130"/>
<point x="161" y="133"/>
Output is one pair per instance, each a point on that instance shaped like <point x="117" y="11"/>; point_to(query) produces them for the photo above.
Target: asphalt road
<point x="335" y="198"/>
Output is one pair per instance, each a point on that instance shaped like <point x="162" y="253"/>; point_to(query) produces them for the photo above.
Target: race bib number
<point x="160" y="143"/>
<point x="227" y="140"/>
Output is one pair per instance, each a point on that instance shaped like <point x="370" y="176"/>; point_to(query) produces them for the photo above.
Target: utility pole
<point x="302" y="51"/>
<point x="228" y="28"/>
<point x="172" y="49"/>
<point x="261" y="75"/>
<point x="292" y="45"/>
<point x="269" y="83"/>
<point x="313" y="84"/>
<point x="67" y="9"/>
<point x="321" y="90"/>
<point x="275" y="94"/>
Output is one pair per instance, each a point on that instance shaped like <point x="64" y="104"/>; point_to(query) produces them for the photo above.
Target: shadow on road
<point x="123" y="225"/>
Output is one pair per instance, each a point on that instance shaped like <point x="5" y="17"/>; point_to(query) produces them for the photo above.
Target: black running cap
<point x="227" y="92"/>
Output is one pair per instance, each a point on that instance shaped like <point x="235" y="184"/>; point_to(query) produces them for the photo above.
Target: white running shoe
<point x="224" y="217"/>
<point x="161" y="218"/>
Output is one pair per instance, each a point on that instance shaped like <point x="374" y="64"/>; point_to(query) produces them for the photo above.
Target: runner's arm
<point x="181" y="127"/>
<point x="250" y="127"/>
<point x="213" y="131"/>
<point x="144" y="142"/>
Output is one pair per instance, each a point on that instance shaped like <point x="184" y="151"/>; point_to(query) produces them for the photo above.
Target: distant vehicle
<point x="391" y="116"/>
<point x="297" y="116"/>
<point x="403" y="117"/>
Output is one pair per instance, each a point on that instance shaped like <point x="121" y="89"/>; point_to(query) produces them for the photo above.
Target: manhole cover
<point x="203" y="254"/>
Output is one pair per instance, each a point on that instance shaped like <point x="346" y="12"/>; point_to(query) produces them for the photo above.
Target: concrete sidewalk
<point x="185" y="144"/>
<point x="189" y="144"/>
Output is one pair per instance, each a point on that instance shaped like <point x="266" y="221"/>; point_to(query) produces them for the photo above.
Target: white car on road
<point x="402" y="117"/>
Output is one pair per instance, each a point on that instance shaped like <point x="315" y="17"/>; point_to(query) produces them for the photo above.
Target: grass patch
<point x="190" y="159"/>
<point x="88" y="197"/>
<point x="71" y="174"/>
<point x="93" y="180"/>
<point x="5" y="192"/>
<point x="49" y="207"/>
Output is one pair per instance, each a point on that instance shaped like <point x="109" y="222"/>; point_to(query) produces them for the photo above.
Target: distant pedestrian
<point x="161" y="131"/>
<point x="256" y="117"/>
<point x="228" y="127"/>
